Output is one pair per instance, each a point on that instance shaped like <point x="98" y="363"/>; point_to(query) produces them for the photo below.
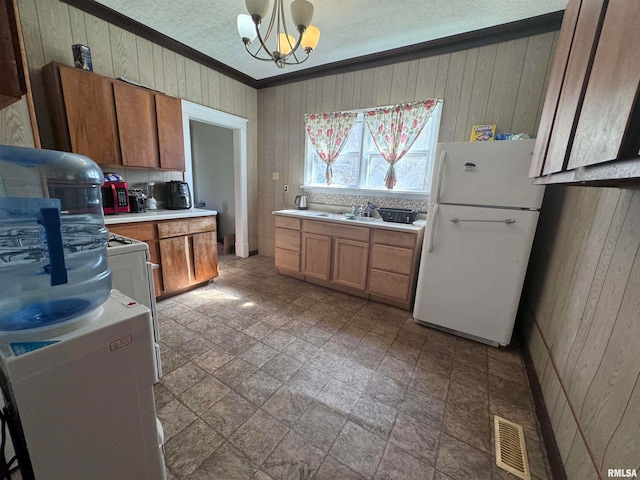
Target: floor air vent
<point x="511" y="454"/>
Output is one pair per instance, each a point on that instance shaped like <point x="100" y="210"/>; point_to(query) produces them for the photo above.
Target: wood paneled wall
<point x="50" y="27"/>
<point x="582" y="322"/>
<point x="500" y="84"/>
<point x="15" y="125"/>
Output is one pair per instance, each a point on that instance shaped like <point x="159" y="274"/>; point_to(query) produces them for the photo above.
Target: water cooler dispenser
<point x="76" y="359"/>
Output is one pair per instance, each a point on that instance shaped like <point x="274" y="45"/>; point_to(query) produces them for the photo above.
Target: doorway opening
<point x="205" y="180"/>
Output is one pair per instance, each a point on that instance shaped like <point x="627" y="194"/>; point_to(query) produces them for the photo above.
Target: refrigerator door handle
<point x="506" y="220"/>
<point x="431" y="216"/>
<point x="440" y="167"/>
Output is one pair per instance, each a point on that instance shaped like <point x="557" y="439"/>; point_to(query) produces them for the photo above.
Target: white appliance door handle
<point x="154" y="266"/>
<point x="431" y="225"/>
<point x="440" y="167"/>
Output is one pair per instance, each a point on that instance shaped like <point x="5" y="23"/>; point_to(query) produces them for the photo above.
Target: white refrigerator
<point x="481" y="222"/>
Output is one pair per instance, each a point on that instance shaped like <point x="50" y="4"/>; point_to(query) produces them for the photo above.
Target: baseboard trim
<point x="548" y="437"/>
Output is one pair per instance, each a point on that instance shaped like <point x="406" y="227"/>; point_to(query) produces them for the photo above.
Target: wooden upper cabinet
<point x="136" y="114"/>
<point x="91" y="116"/>
<point x="590" y="125"/>
<point x="12" y="80"/>
<point x="575" y="82"/>
<point x="170" y="135"/>
<point x="609" y="128"/>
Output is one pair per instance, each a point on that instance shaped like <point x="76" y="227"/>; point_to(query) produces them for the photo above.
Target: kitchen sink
<point x="362" y="219"/>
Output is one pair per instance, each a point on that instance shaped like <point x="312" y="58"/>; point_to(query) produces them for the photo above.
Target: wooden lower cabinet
<point x="176" y="265"/>
<point x="316" y="256"/>
<point x="205" y="256"/>
<point x="350" y="259"/>
<point x="185" y="249"/>
<point x="288" y="245"/>
<point x="376" y="263"/>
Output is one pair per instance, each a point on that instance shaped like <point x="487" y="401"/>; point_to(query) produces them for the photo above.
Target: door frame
<point x="199" y="113"/>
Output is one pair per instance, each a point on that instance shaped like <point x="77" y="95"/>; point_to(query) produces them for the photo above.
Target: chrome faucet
<point x="356" y="210"/>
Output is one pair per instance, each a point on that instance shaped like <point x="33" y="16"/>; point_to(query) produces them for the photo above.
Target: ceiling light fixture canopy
<point x="285" y="50"/>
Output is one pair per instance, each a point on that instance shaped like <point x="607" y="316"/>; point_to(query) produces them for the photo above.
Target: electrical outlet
<point x="286" y="188"/>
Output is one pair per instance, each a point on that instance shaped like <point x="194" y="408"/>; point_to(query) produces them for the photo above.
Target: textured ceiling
<point x="349" y="28"/>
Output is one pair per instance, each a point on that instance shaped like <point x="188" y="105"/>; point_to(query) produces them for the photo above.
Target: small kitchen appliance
<point x="178" y="195"/>
<point x="137" y="202"/>
<point x="301" y="202"/>
<point x="115" y="194"/>
<point x="150" y="202"/>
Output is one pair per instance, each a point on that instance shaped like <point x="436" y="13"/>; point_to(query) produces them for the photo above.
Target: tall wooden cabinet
<point x="590" y="125"/>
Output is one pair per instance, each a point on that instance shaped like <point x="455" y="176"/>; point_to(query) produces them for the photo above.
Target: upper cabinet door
<point x="170" y="135"/>
<point x="556" y="80"/>
<point x="590" y="125"/>
<point x="91" y="116"/>
<point x="579" y="64"/>
<point x="608" y="126"/>
<point x="135" y="109"/>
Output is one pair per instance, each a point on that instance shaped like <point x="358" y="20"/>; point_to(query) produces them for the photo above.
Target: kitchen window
<point x="360" y="165"/>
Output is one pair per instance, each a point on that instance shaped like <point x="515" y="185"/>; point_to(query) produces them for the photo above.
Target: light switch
<point x="275" y="176"/>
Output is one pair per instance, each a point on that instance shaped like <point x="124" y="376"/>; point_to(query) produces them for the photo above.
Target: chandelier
<point x="283" y="51"/>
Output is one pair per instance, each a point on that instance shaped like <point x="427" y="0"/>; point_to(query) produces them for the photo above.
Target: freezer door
<point x="485" y="173"/>
<point x="472" y="270"/>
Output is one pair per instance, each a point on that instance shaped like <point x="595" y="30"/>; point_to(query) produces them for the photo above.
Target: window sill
<point x="367" y="192"/>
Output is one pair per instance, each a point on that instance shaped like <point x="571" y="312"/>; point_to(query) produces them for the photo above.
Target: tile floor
<point x="267" y="377"/>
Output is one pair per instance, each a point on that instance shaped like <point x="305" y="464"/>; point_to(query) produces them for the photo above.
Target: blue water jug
<point x="53" y="257"/>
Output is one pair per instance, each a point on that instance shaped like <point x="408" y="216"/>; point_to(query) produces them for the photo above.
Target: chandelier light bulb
<point x="310" y="38"/>
<point x="277" y="42"/>
<point x="246" y="28"/>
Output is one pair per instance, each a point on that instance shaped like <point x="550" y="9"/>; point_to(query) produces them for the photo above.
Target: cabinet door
<point x="170" y="135"/>
<point x="205" y="256"/>
<point x="91" y="117"/>
<point x="350" y="263"/>
<point x="608" y="125"/>
<point x="135" y="110"/>
<point x="560" y="59"/>
<point x="317" y="256"/>
<point x="12" y="81"/>
<point x="177" y="270"/>
<point x="577" y="73"/>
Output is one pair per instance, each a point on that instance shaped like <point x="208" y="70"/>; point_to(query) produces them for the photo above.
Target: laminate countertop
<point x="157" y="215"/>
<point x="359" y="221"/>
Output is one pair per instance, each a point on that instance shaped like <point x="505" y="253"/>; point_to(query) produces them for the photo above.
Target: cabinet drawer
<point x="287" y="222"/>
<point x="142" y="231"/>
<point x="288" y="239"/>
<point x="336" y="230"/>
<point x="287" y="259"/>
<point x="396" y="239"/>
<point x="389" y="284"/>
<point x="392" y="259"/>
<point x="176" y="228"/>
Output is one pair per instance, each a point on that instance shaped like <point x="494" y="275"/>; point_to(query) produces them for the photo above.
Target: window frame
<point x="364" y="164"/>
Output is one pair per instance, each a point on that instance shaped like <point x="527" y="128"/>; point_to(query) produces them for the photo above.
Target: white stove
<point x="132" y="274"/>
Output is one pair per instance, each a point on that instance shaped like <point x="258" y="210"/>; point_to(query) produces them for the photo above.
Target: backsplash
<point x="348" y="200"/>
<point x="135" y="177"/>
